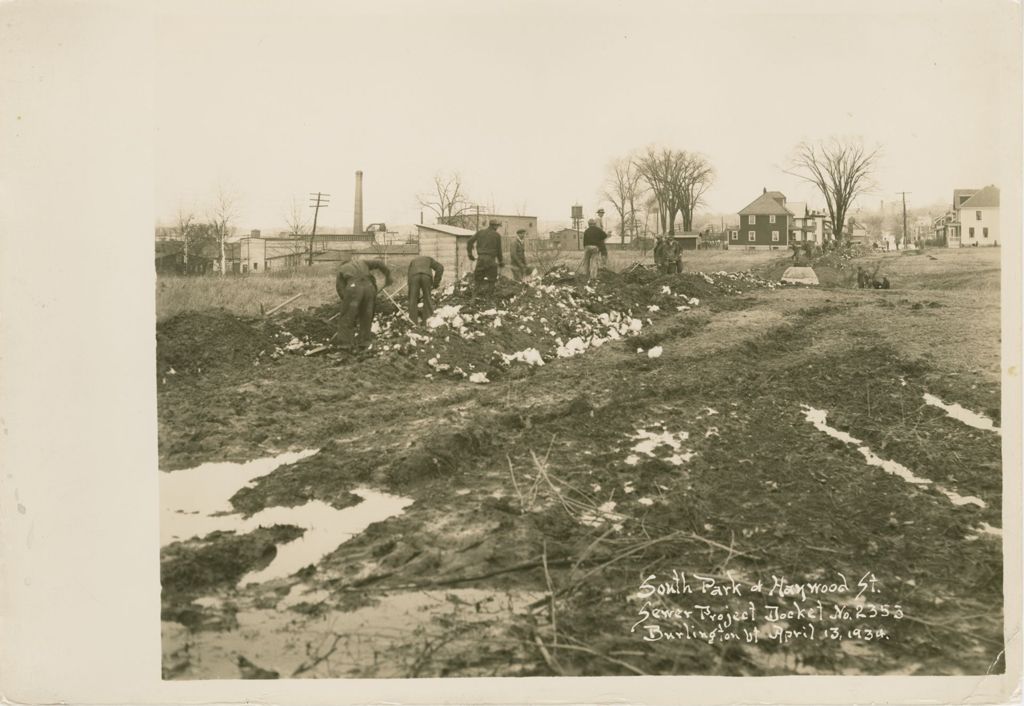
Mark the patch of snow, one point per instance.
(962, 414)
(479, 378)
(574, 347)
(655, 352)
(530, 356)
(819, 417)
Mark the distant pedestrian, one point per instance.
(488, 256)
(862, 278)
(593, 246)
(425, 274)
(358, 292)
(519, 266)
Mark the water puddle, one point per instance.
(819, 417)
(196, 502)
(398, 636)
(326, 528)
(962, 414)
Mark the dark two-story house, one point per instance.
(764, 224)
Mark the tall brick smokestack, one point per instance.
(357, 217)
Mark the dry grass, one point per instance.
(244, 294)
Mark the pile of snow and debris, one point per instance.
(525, 326)
(738, 282)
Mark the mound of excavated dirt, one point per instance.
(519, 327)
(204, 340)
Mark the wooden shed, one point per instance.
(447, 245)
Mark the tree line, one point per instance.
(671, 183)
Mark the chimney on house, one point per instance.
(764, 189)
(357, 217)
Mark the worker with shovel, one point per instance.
(425, 273)
(358, 291)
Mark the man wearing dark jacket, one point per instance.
(519, 266)
(358, 292)
(425, 273)
(488, 256)
(593, 244)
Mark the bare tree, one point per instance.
(622, 188)
(679, 180)
(447, 201)
(841, 169)
(660, 168)
(295, 219)
(695, 177)
(185, 226)
(222, 213)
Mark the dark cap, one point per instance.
(494, 222)
(521, 231)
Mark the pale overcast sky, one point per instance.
(531, 100)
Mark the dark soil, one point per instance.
(504, 474)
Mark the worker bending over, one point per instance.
(425, 273)
(358, 292)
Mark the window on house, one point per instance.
(735, 235)
(771, 219)
(751, 236)
(255, 266)
(984, 232)
(775, 236)
(977, 215)
(751, 219)
(970, 232)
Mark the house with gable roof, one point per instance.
(979, 219)
(764, 223)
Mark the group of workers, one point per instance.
(357, 287)
(866, 281)
(668, 255)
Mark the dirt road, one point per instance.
(780, 434)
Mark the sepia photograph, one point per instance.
(572, 339)
(510, 352)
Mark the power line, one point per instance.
(320, 202)
(904, 195)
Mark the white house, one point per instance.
(979, 219)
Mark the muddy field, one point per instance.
(528, 486)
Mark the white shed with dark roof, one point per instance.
(447, 245)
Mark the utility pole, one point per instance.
(319, 202)
(904, 195)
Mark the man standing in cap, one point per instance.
(593, 244)
(425, 273)
(488, 256)
(519, 267)
(602, 247)
(358, 291)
